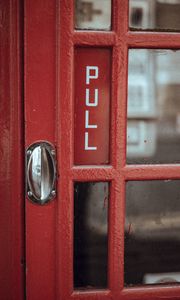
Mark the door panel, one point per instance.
(11, 153)
(40, 120)
(69, 173)
(52, 91)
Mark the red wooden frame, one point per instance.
(40, 120)
(49, 33)
(70, 39)
(11, 152)
(120, 39)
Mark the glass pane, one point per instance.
(162, 15)
(90, 234)
(93, 14)
(153, 133)
(152, 232)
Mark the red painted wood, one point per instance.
(91, 123)
(152, 40)
(95, 294)
(170, 292)
(65, 145)
(147, 172)
(94, 38)
(45, 225)
(40, 116)
(118, 150)
(93, 173)
(11, 153)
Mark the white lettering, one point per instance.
(91, 75)
(87, 125)
(95, 101)
(87, 147)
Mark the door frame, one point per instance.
(12, 256)
(50, 39)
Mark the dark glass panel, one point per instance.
(90, 234)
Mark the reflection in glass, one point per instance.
(152, 232)
(162, 15)
(93, 14)
(90, 234)
(153, 133)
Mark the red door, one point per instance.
(11, 153)
(94, 240)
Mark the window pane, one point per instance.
(153, 134)
(93, 14)
(154, 14)
(90, 234)
(152, 232)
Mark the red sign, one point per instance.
(92, 105)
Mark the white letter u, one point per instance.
(95, 103)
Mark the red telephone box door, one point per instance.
(11, 153)
(76, 99)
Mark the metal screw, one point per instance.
(29, 152)
(53, 152)
(29, 193)
(53, 193)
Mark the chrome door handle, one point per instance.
(41, 172)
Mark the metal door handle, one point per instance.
(41, 172)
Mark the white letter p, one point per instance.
(91, 75)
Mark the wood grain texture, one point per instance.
(11, 153)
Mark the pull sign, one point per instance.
(92, 106)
